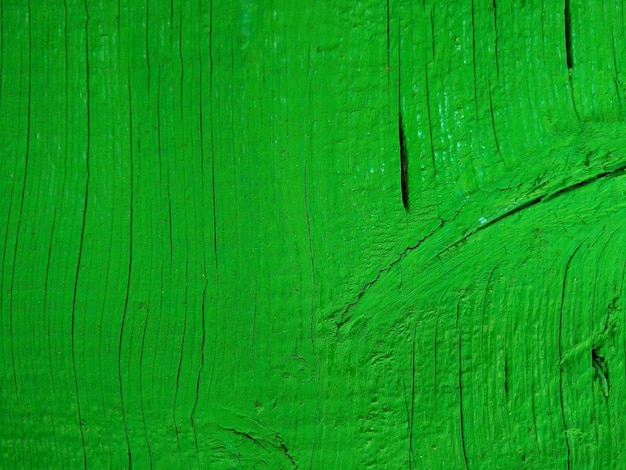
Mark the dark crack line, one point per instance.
(560, 351)
(412, 420)
(404, 162)
(285, 451)
(345, 317)
(404, 157)
(131, 244)
(79, 260)
(280, 446)
(205, 287)
(460, 372)
(535, 201)
(435, 364)
(495, 29)
(248, 436)
(254, 312)
(178, 387)
(569, 53)
(569, 56)
(344, 313)
(493, 124)
(311, 260)
(474, 64)
(388, 37)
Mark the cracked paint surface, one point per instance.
(324, 235)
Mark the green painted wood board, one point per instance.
(208, 261)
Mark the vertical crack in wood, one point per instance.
(560, 350)
(496, 35)
(569, 53)
(412, 417)
(82, 239)
(568, 35)
(404, 160)
(404, 164)
(388, 38)
(460, 386)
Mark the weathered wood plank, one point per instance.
(324, 235)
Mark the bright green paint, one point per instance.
(207, 263)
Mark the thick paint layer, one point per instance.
(323, 235)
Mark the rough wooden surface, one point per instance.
(312, 235)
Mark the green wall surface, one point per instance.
(327, 235)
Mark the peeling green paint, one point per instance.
(320, 235)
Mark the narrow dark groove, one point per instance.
(313, 445)
(476, 113)
(120, 345)
(408, 419)
(460, 372)
(204, 267)
(569, 52)
(537, 200)
(254, 311)
(4, 261)
(19, 225)
(311, 260)
(147, 40)
(616, 80)
(432, 33)
(404, 164)
(474, 64)
(621, 293)
(344, 318)
(45, 307)
(505, 215)
(66, 114)
(1, 49)
(506, 375)
(404, 160)
(613, 306)
(493, 124)
(313, 282)
(495, 28)
(171, 18)
(412, 420)
(435, 364)
(20, 216)
(182, 61)
(568, 189)
(248, 436)
(170, 216)
(213, 192)
(141, 403)
(560, 351)
(263, 443)
(285, 450)
(484, 309)
(81, 241)
(202, 359)
(145, 325)
(388, 37)
(543, 28)
(180, 359)
(601, 371)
